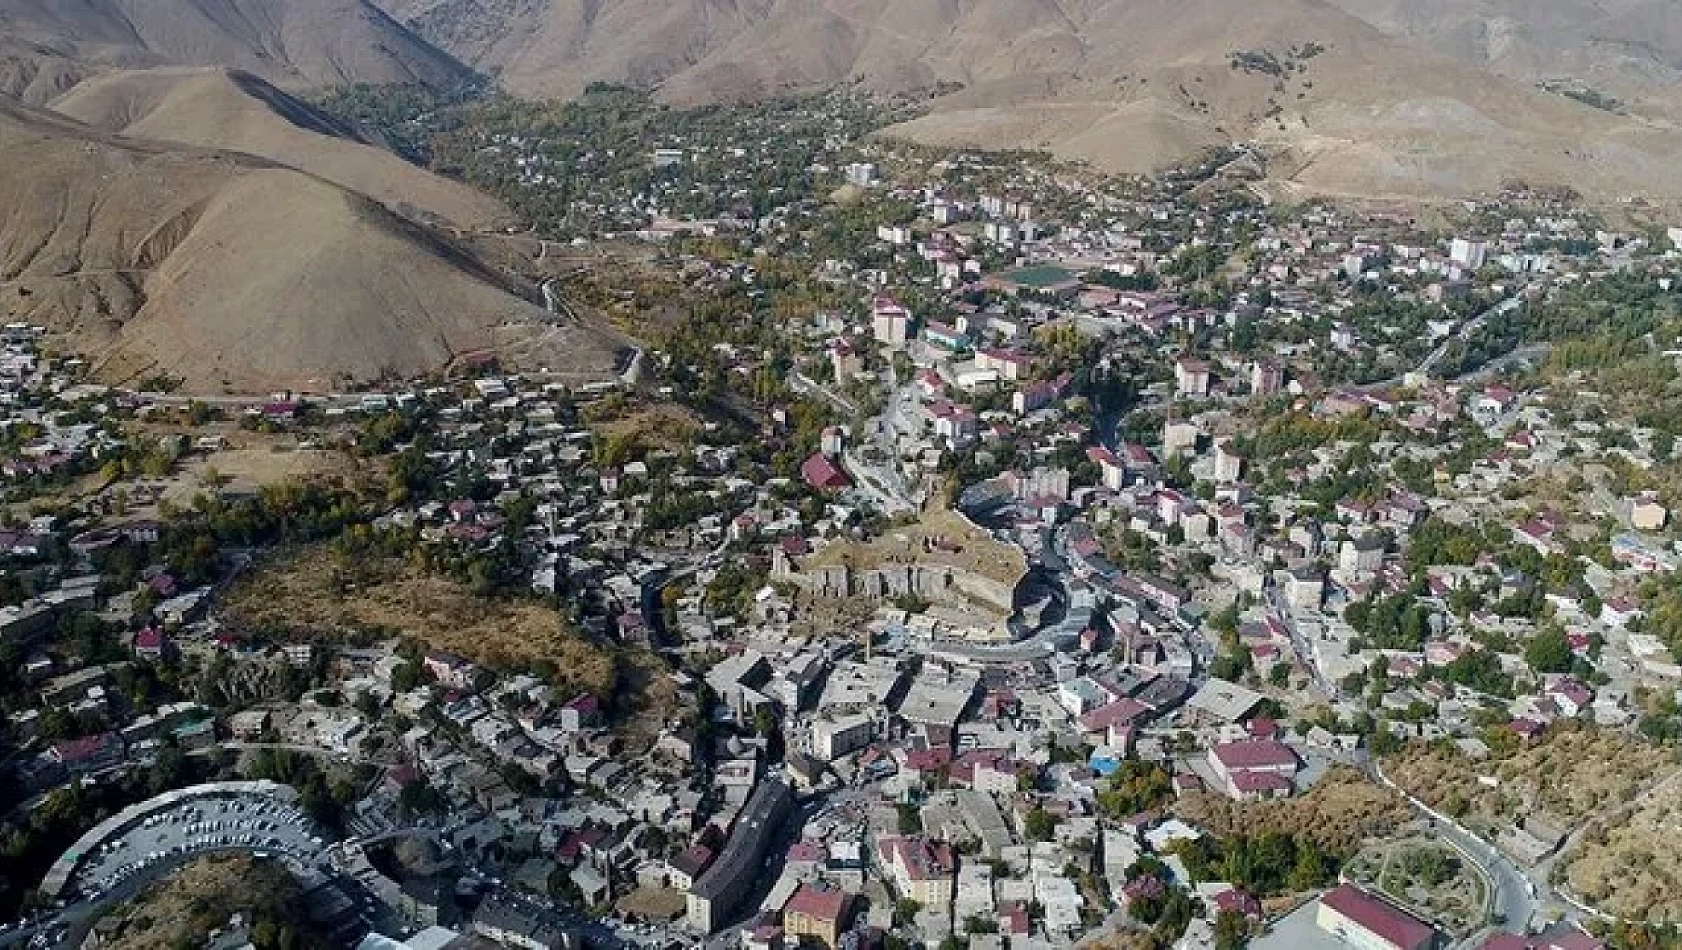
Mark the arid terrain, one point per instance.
(1337, 104)
(200, 897)
(1628, 50)
(48, 44)
(244, 240)
(1626, 866)
(1338, 814)
(236, 111)
(315, 595)
(1571, 776)
(230, 272)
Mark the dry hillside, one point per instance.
(201, 896)
(1627, 864)
(1339, 106)
(1572, 775)
(314, 596)
(1339, 814)
(230, 272)
(228, 109)
(1629, 49)
(35, 73)
(295, 43)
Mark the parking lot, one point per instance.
(253, 823)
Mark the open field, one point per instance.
(1628, 865)
(247, 469)
(1340, 814)
(244, 463)
(664, 426)
(182, 909)
(939, 537)
(313, 594)
(1564, 779)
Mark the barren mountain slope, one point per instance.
(293, 43)
(484, 34)
(1363, 115)
(1129, 84)
(228, 109)
(35, 73)
(1629, 49)
(231, 272)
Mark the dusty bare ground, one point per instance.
(253, 461)
(314, 594)
(1630, 866)
(973, 549)
(182, 909)
(1339, 814)
(652, 903)
(663, 426)
(157, 276)
(1566, 778)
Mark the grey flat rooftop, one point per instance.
(1298, 931)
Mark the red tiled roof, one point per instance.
(1123, 711)
(817, 902)
(1255, 754)
(1013, 919)
(1237, 899)
(928, 760)
(923, 860)
(87, 747)
(965, 766)
(820, 472)
(806, 852)
(692, 860)
(1260, 782)
(1378, 917)
(1576, 940)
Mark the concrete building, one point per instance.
(512, 925)
(1305, 588)
(1362, 555)
(818, 912)
(922, 870)
(1646, 513)
(1229, 465)
(719, 893)
(1192, 377)
(1469, 253)
(890, 321)
(1179, 437)
(1368, 922)
(834, 738)
(1266, 378)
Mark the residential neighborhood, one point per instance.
(1018, 558)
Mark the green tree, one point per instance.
(1232, 930)
(1549, 651)
(905, 911)
(1039, 825)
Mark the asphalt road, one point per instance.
(1515, 896)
